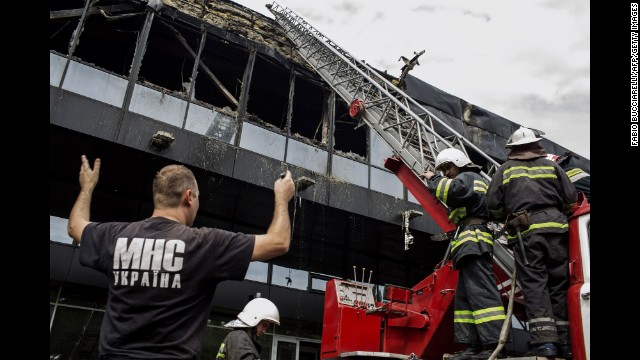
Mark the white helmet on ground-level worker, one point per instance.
(522, 136)
(255, 311)
(451, 155)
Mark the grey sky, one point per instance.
(527, 61)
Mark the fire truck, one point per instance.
(417, 322)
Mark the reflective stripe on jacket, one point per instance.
(465, 197)
(529, 185)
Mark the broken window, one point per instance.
(308, 119)
(269, 94)
(348, 140)
(166, 61)
(226, 63)
(108, 43)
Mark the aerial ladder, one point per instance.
(416, 321)
(403, 123)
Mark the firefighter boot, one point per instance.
(466, 353)
(564, 346)
(543, 350)
(487, 351)
(565, 352)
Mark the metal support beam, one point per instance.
(71, 13)
(141, 47)
(76, 38)
(330, 102)
(292, 90)
(244, 91)
(194, 74)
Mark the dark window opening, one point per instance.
(423, 255)
(109, 45)
(308, 104)
(362, 241)
(393, 273)
(327, 259)
(60, 32)
(269, 94)
(227, 64)
(347, 139)
(166, 62)
(75, 333)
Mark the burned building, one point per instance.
(219, 88)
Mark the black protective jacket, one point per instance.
(537, 185)
(580, 179)
(239, 345)
(465, 197)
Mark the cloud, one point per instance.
(483, 16)
(561, 118)
(424, 8)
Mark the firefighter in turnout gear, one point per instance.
(580, 178)
(478, 309)
(252, 322)
(529, 182)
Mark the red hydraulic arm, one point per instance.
(436, 209)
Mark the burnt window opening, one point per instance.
(328, 259)
(347, 139)
(166, 62)
(362, 242)
(268, 94)
(227, 64)
(107, 44)
(307, 116)
(423, 255)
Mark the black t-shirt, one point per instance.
(163, 276)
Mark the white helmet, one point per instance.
(522, 136)
(255, 311)
(457, 157)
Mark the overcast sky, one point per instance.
(527, 61)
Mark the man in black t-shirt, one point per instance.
(163, 273)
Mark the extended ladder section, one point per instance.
(404, 124)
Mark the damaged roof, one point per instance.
(486, 130)
(242, 21)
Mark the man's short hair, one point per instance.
(170, 183)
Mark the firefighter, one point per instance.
(530, 184)
(478, 309)
(242, 342)
(580, 178)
